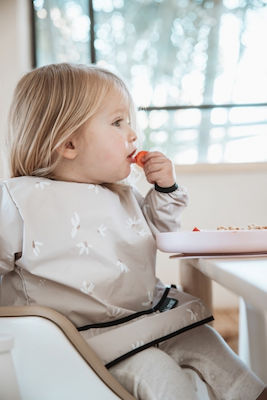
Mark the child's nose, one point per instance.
(132, 135)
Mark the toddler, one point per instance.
(77, 238)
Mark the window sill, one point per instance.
(221, 168)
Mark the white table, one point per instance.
(247, 278)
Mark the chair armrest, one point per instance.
(74, 337)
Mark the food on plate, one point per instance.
(139, 157)
(229, 228)
(236, 228)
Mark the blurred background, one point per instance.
(198, 67)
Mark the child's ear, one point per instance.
(68, 150)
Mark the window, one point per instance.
(197, 69)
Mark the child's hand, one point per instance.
(158, 169)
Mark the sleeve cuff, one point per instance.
(169, 189)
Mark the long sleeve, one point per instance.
(11, 228)
(163, 210)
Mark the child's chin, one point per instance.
(127, 172)
(125, 176)
(121, 176)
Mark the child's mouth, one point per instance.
(130, 157)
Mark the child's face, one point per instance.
(107, 143)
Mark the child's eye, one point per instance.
(117, 122)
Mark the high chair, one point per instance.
(43, 356)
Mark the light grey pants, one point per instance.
(158, 373)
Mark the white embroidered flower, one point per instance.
(150, 299)
(42, 184)
(123, 267)
(75, 221)
(87, 287)
(36, 247)
(94, 188)
(84, 247)
(137, 344)
(41, 282)
(133, 222)
(113, 311)
(102, 230)
(193, 315)
(136, 225)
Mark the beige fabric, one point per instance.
(153, 375)
(83, 241)
(89, 253)
(138, 333)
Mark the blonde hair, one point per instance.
(50, 104)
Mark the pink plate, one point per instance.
(218, 241)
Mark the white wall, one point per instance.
(220, 195)
(14, 55)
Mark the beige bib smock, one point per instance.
(89, 253)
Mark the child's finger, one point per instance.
(148, 169)
(152, 177)
(158, 164)
(156, 161)
(153, 155)
(161, 180)
(152, 171)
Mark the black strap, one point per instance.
(166, 189)
(159, 340)
(129, 317)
